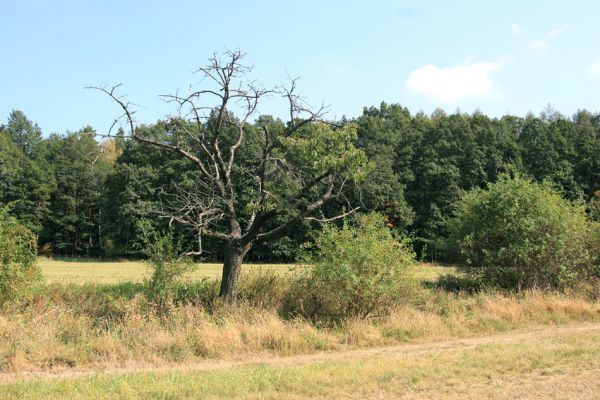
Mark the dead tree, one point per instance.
(293, 170)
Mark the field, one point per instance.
(87, 334)
(82, 271)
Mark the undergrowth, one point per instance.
(90, 326)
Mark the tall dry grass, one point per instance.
(60, 327)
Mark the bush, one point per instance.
(594, 207)
(164, 254)
(594, 246)
(357, 270)
(18, 254)
(519, 234)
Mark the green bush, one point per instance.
(594, 246)
(519, 234)
(594, 207)
(18, 254)
(165, 258)
(357, 270)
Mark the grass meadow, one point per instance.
(89, 331)
(81, 271)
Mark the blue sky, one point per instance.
(500, 57)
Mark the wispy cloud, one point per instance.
(557, 31)
(452, 84)
(542, 46)
(539, 46)
(594, 69)
(515, 29)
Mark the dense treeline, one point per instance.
(87, 197)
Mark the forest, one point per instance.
(85, 195)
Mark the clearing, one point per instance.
(82, 271)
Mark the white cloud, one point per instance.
(594, 69)
(516, 29)
(539, 46)
(451, 84)
(557, 31)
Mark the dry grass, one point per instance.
(547, 363)
(81, 271)
(105, 326)
(55, 334)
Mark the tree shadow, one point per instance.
(454, 284)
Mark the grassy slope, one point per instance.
(551, 364)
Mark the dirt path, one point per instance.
(517, 336)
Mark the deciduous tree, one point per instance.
(255, 182)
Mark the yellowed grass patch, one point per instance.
(54, 336)
(548, 363)
(82, 271)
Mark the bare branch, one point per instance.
(299, 111)
(204, 130)
(303, 212)
(331, 219)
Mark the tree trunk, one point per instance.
(232, 266)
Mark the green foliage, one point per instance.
(135, 189)
(324, 149)
(24, 184)
(18, 254)
(451, 154)
(357, 270)
(384, 135)
(165, 259)
(594, 249)
(594, 207)
(311, 154)
(23, 132)
(83, 197)
(79, 167)
(519, 234)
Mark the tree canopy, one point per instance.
(85, 194)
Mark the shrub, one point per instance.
(18, 253)
(594, 237)
(165, 258)
(520, 234)
(594, 207)
(594, 246)
(357, 270)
